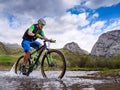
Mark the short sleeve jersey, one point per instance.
(32, 28)
(35, 29)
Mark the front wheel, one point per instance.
(53, 64)
(19, 64)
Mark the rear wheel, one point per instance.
(19, 64)
(53, 64)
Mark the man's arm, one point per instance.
(31, 28)
(30, 33)
(45, 38)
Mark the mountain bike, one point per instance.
(52, 62)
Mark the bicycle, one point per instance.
(53, 63)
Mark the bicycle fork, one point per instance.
(49, 60)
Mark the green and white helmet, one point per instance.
(41, 20)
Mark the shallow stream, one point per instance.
(71, 81)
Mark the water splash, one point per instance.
(11, 72)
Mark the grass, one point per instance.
(7, 61)
(8, 58)
(111, 71)
(92, 69)
(75, 62)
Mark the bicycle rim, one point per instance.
(19, 64)
(56, 67)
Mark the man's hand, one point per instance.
(52, 41)
(38, 36)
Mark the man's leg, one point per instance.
(27, 55)
(40, 47)
(36, 45)
(23, 67)
(26, 47)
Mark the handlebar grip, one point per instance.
(52, 41)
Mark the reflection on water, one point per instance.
(71, 81)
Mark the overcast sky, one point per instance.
(80, 21)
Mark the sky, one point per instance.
(79, 21)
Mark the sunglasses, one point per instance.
(42, 24)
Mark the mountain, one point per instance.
(107, 45)
(9, 48)
(74, 47)
(11, 45)
(3, 49)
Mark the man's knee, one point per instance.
(28, 53)
(40, 46)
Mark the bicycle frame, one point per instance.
(43, 48)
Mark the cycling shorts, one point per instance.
(26, 45)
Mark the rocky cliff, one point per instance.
(74, 47)
(108, 44)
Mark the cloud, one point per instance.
(65, 29)
(17, 15)
(114, 25)
(37, 8)
(66, 23)
(94, 4)
(8, 34)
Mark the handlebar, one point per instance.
(48, 40)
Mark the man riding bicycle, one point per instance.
(29, 40)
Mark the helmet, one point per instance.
(42, 21)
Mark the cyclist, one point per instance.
(29, 40)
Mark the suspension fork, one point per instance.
(46, 54)
(49, 58)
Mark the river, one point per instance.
(71, 81)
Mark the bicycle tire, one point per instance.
(59, 61)
(19, 63)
